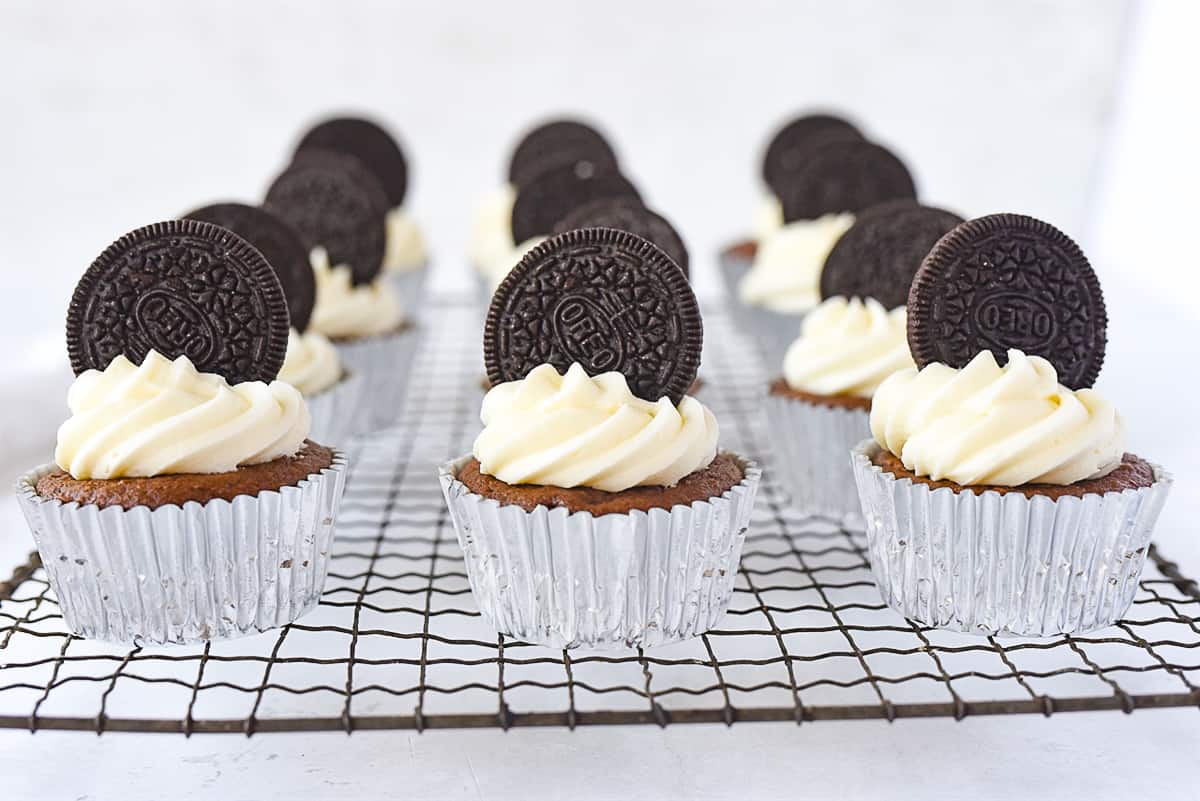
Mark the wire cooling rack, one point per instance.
(397, 643)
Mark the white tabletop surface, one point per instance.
(116, 117)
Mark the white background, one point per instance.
(1083, 113)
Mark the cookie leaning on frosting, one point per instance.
(994, 455)
(182, 448)
(594, 466)
(817, 408)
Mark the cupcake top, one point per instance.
(163, 417)
(346, 310)
(1003, 419)
(591, 344)
(847, 347)
(857, 336)
(575, 430)
(311, 363)
(176, 333)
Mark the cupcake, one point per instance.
(595, 509)
(998, 495)
(185, 502)
(339, 210)
(822, 172)
(575, 153)
(405, 261)
(335, 401)
(817, 408)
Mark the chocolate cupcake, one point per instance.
(186, 502)
(339, 208)
(997, 493)
(405, 259)
(820, 172)
(557, 166)
(595, 509)
(817, 408)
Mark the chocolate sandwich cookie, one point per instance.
(281, 246)
(606, 299)
(1009, 281)
(368, 142)
(550, 196)
(559, 143)
(792, 144)
(879, 255)
(844, 176)
(181, 288)
(336, 203)
(627, 214)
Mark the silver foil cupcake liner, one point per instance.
(811, 445)
(409, 286)
(191, 573)
(572, 580)
(341, 411)
(771, 332)
(1005, 564)
(381, 364)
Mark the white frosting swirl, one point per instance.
(768, 217)
(346, 311)
(1006, 426)
(311, 363)
(573, 430)
(166, 416)
(404, 248)
(491, 238)
(847, 347)
(786, 272)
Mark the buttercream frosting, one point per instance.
(847, 347)
(164, 416)
(311, 363)
(404, 247)
(345, 311)
(993, 425)
(768, 217)
(574, 430)
(491, 238)
(786, 271)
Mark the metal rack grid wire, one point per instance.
(397, 643)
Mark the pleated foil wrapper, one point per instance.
(409, 286)
(341, 411)
(770, 331)
(811, 446)
(1005, 564)
(574, 580)
(381, 365)
(191, 573)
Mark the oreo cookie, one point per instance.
(334, 202)
(606, 299)
(879, 255)
(552, 195)
(182, 288)
(627, 214)
(793, 143)
(370, 144)
(844, 176)
(1009, 281)
(281, 246)
(559, 143)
